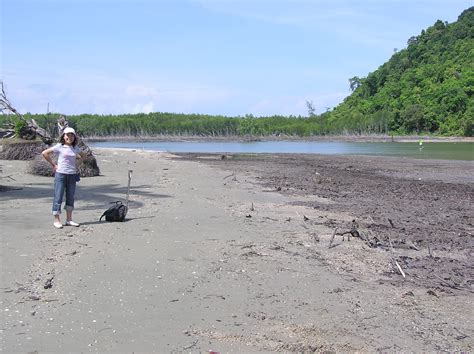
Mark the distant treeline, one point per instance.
(157, 123)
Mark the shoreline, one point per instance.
(346, 138)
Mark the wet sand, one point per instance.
(231, 254)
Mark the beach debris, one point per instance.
(400, 269)
(192, 344)
(315, 237)
(332, 238)
(354, 232)
(336, 290)
(413, 246)
(317, 178)
(105, 329)
(462, 335)
(21, 287)
(254, 253)
(305, 218)
(429, 250)
(252, 208)
(231, 175)
(21, 150)
(394, 261)
(372, 243)
(8, 188)
(7, 133)
(49, 283)
(391, 222)
(447, 283)
(259, 315)
(370, 240)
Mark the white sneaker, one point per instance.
(58, 225)
(72, 223)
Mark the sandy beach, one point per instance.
(231, 254)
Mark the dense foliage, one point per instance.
(426, 88)
(181, 124)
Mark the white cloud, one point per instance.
(76, 91)
(143, 108)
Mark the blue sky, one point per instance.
(232, 58)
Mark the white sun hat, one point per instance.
(69, 130)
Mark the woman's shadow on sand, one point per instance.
(97, 222)
(92, 196)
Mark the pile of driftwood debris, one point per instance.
(18, 149)
(372, 242)
(23, 139)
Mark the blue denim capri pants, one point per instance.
(64, 183)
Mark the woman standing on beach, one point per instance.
(65, 174)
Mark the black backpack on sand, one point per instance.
(118, 211)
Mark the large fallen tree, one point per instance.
(18, 126)
(24, 140)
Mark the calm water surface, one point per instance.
(435, 150)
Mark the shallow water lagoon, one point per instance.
(428, 150)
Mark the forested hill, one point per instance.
(427, 87)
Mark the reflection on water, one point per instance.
(437, 150)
